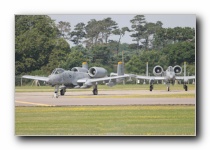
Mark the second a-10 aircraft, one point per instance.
(80, 77)
(168, 76)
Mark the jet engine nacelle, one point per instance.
(79, 69)
(177, 69)
(157, 70)
(97, 72)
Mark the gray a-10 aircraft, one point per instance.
(169, 76)
(80, 77)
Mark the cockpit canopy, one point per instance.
(170, 69)
(57, 71)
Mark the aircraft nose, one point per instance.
(52, 79)
(171, 76)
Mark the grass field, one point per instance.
(106, 120)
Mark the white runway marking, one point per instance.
(30, 103)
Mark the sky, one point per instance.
(169, 21)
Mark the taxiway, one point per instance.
(115, 97)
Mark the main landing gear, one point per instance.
(151, 87)
(62, 92)
(185, 87)
(95, 89)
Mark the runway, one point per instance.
(115, 97)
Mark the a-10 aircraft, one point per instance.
(80, 77)
(169, 76)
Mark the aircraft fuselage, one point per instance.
(67, 78)
(169, 75)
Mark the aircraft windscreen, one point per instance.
(170, 68)
(57, 71)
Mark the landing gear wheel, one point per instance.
(151, 87)
(95, 92)
(62, 92)
(56, 91)
(168, 89)
(55, 95)
(185, 87)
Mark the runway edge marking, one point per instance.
(39, 104)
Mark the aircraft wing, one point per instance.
(127, 75)
(185, 77)
(90, 81)
(35, 78)
(150, 77)
(141, 77)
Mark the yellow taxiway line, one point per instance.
(39, 104)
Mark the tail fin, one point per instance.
(120, 68)
(85, 65)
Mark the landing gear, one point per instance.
(56, 91)
(62, 92)
(151, 87)
(95, 90)
(185, 87)
(168, 87)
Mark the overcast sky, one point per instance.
(124, 20)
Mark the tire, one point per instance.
(150, 88)
(185, 88)
(168, 89)
(62, 92)
(95, 92)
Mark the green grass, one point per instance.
(106, 120)
(104, 87)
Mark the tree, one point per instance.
(138, 26)
(150, 29)
(101, 54)
(137, 64)
(121, 33)
(58, 55)
(107, 25)
(92, 29)
(73, 59)
(35, 38)
(98, 32)
(165, 36)
(78, 34)
(64, 28)
(180, 52)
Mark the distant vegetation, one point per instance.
(42, 45)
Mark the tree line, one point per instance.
(41, 45)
